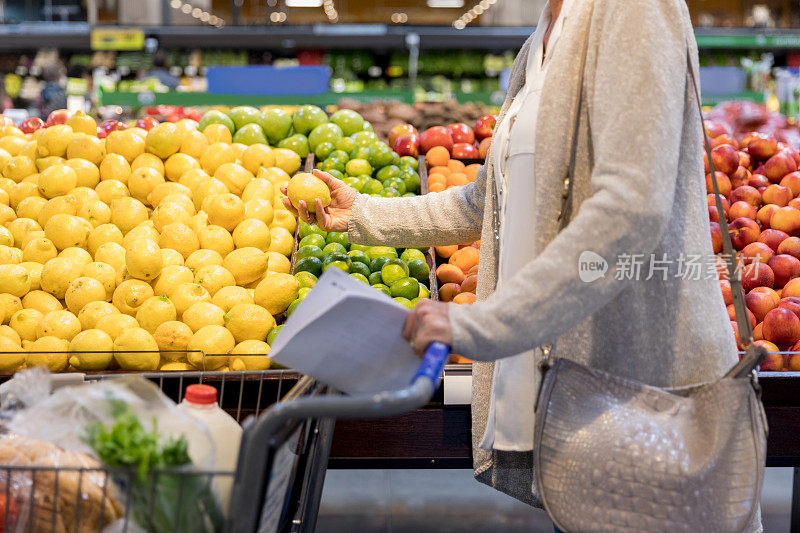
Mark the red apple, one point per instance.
(757, 275)
(761, 146)
(146, 123)
(59, 116)
(785, 267)
(484, 127)
(790, 246)
(407, 144)
(31, 125)
(465, 151)
(750, 316)
(723, 182)
(792, 181)
(713, 214)
(781, 326)
(792, 303)
(772, 238)
(740, 177)
(483, 147)
(759, 304)
(725, 159)
(745, 193)
(770, 291)
(400, 130)
(716, 237)
(765, 214)
(792, 363)
(758, 181)
(757, 251)
(112, 125)
(435, 136)
(792, 288)
(724, 140)
(735, 327)
(744, 231)
(712, 200)
(461, 133)
(742, 209)
(779, 165)
(777, 194)
(745, 160)
(715, 129)
(774, 361)
(725, 288)
(786, 219)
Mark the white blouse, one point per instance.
(514, 383)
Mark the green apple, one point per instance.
(250, 133)
(216, 117)
(324, 133)
(243, 115)
(350, 121)
(385, 173)
(298, 143)
(347, 145)
(410, 161)
(372, 187)
(276, 123)
(322, 150)
(380, 155)
(357, 167)
(308, 117)
(364, 138)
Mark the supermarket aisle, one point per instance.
(445, 501)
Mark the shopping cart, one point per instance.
(277, 486)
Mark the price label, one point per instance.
(117, 39)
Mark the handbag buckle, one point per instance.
(547, 361)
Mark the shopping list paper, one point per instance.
(348, 335)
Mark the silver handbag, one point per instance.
(613, 454)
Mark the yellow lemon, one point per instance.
(13, 145)
(201, 258)
(88, 147)
(258, 188)
(144, 230)
(26, 322)
(218, 133)
(9, 333)
(277, 262)
(21, 227)
(88, 175)
(142, 181)
(139, 132)
(115, 167)
(111, 253)
(207, 189)
(18, 168)
(249, 322)
(171, 257)
(127, 213)
(193, 178)
(136, 349)
(284, 219)
(103, 234)
(91, 350)
(179, 164)
(9, 304)
(172, 338)
(199, 221)
(11, 355)
(203, 314)
(64, 205)
(115, 324)
(148, 160)
(67, 230)
(95, 212)
(6, 238)
(79, 256)
(234, 176)
(281, 241)
(83, 123)
(57, 180)
(286, 160)
(41, 301)
(14, 280)
(246, 264)
(155, 311)
(82, 291)
(179, 237)
(6, 214)
(31, 207)
(61, 324)
(91, 313)
(194, 144)
(224, 210)
(216, 238)
(252, 232)
(130, 295)
(213, 339)
(170, 278)
(276, 292)
(46, 162)
(168, 213)
(187, 294)
(82, 193)
(256, 156)
(111, 190)
(308, 188)
(179, 199)
(21, 192)
(10, 255)
(164, 140)
(215, 155)
(5, 199)
(253, 356)
(228, 297)
(34, 273)
(50, 352)
(5, 157)
(125, 143)
(213, 277)
(144, 260)
(274, 175)
(164, 190)
(260, 209)
(53, 141)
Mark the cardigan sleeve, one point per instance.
(449, 217)
(643, 44)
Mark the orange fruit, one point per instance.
(448, 291)
(440, 170)
(437, 178)
(446, 251)
(465, 258)
(473, 270)
(472, 171)
(457, 179)
(455, 165)
(464, 298)
(460, 360)
(448, 273)
(436, 187)
(470, 283)
(792, 288)
(437, 156)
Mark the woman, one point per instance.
(638, 194)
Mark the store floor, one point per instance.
(445, 501)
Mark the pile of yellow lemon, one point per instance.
(170, 242)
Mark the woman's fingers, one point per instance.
(303, 210)
(329, 180)
(289, 207)
(410, 325)
(323, 216)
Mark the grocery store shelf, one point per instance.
(714, 99)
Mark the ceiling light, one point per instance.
(451, 4)
(196, 12)
(459, 24)
(204, 16)
(186, 8)
(478, 10)
(175, 4)
(303, 3)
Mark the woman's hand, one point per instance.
(336, 216)
(429, 321)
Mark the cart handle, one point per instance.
(433, 361)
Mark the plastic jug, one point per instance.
(200, 403)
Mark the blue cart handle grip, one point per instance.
(435, 357)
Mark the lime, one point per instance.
(377, 264)
(392, 272)
(335, 256)
(418, 269)
(308, 117)
(336, 174)
(359, 276)
(273, 334)
(405, 302)
(416, 300)
(276, 123)
(410, 161)
(412, 253)
(334, 247)
(216, 117)
(310, 251)
(375, 278)
(395, 183)
(364, 138)
(361, 152)
(355, 183)
(412, 183)
(346, 145)
(356, 167)
(314, 239)
(383, 288)
(306, 279)
(243, 115)
(324, 133)
(323, 150)
(292, 307)
(372, 187)
(360, 268)
(329, 165)
(389, 192)
(359, 247)
(423, 291)
(409, 195)
(250, 134)
(303, 292)
(338, 236)
(357, 256)
(341, 265)
(340, 155)
(347, 119)
(405, 287)
(380, 155)
(382, 251)
(385, 173)
(297, 143)
(305, 229)
(311, 264)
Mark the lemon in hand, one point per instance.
(308, 187)
(136, 349)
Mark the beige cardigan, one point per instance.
(639, 189)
